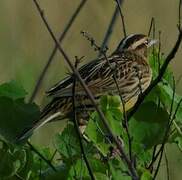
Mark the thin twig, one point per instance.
(77, 127)
(173, 118)
(177, 108)
(153, 37)
(166, 134)
(69, 146)
(160, 152)
(159, 52)
(167, 165)
(151, 25)
(122, 18)
(159, 162)
(173, 97)
(53, 155)
(110, 28)
(19, 177)
(113, 70)
(178, 81)
(41, 156)
(179, 14)
(150, 167)
(90, 95)
(153, 30)
(40, 168)
(53, 53)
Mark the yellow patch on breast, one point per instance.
(128, 105)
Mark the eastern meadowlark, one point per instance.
(129, 65)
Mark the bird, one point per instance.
(128, 65)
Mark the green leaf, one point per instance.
(155, 60)
(80, 170)
(118, 169)
(100, 176)
(178, 141)
(20, 156)
(62, 173)
(149, 125)
(67, 142)
(145, 174)
(166, 96)
(15, 117)
(97, 165)
(95, 130)
(36, 167)
(110, 103)
(154, 95)
(111, 106)
(164, 89)
(96, 134)
(11, 161)
(47, 153)
(12, 90)
(27, 165)
(7, 166)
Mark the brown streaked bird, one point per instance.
(132, 71)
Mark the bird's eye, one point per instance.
(146, 42)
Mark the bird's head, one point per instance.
(137, 43)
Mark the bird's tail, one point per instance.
(49, 113)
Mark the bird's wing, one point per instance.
(63, 87)
(98, 75)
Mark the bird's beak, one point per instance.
(152, 42)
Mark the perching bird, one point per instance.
(129, 66)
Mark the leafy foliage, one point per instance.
(15, 114)
(12, 90)
(147, 129)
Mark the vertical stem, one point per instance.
(41, 156)
(53, 53)
(77, 127)
(122, 18)
(110, 29)
(151, 25)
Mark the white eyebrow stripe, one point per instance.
(124, 42)
(138, 42)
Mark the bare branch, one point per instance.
(152, 22)
(90, 95)
(41, 156)
(179, 14)
(122, 18)
(172, 103)
(167, 165)
(171, 120)
(103, 53)
(110, 28)
(159, 162)
(166, 135)
(77, 127)
(159, 52)
(53, 155)
(53, 53)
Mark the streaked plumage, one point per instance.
(132, 71)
